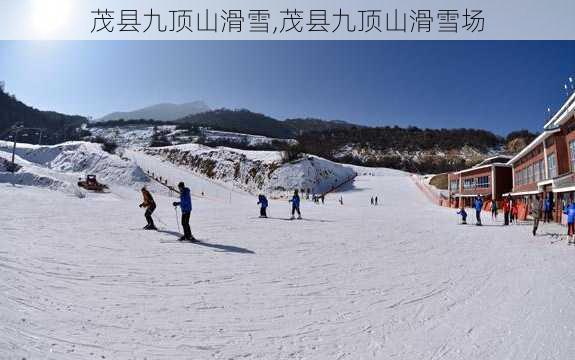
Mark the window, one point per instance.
(530, 174)
(552, 165)
(538, 171)
(454, 186)
(468, 184)
(483, 182)
(572, 154)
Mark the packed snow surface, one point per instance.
(80, 280)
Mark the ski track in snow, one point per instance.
(402, 280)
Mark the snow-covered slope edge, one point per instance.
(257, 171)
(60, 166)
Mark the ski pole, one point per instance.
(177, 221)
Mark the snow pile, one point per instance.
(257, 171)
(60, 166)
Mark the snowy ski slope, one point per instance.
(80, 280)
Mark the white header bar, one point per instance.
(286, 20)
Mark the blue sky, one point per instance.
(495, 85)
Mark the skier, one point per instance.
(506, 210)
(150, 206)
(322, 198)
(536, 212)
(570, 212)
(341, 200)
(514, 212)
(372, 200)
(263, 203)
(185, 204)
(478, 206)
(548, 209)
(295, 205)
(375, 201)
(463, 214)
(494, 209)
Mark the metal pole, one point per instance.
(14, 151)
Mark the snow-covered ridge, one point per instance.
(60, 166)
(257, 171)
(240, 138)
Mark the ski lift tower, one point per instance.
(15, 130)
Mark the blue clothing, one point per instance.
(548, 205)
(570, 212)
(185, 200)
(263, 201)
(295, 201)
(478, 204)
(463, 214)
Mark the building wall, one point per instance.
(528, 159)
(569, 130)
(474, 174)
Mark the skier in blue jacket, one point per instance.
(263, 203)
(295, 205)
(570, 212)
(185, 204)
(478, 205)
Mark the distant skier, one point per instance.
(536, 213)
(295, 205)
(185, 204)
(150, 206)
(506, 210)
(570, 212)
(478, 206)
(372, 200)
(494, 209)
(322, 198)
(341, 200)
(263, 203)
(463, 214)
(375, 201)
(514, 212)
(548, 209)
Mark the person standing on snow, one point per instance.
(372, 200)
(375, 201)
(185, 204)
(150, 206)
(506, 210)
(494, 209)
(536, 212)
(263, 203)
(463, 214)
(514, 212)
(295, 205)
(570, 212)
(478, 206)
(548, 209)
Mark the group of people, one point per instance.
(374, 201)
(540, 209)
(295, 202)
(185, 204)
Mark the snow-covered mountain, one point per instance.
(163, 112)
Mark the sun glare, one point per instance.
(49, 16)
